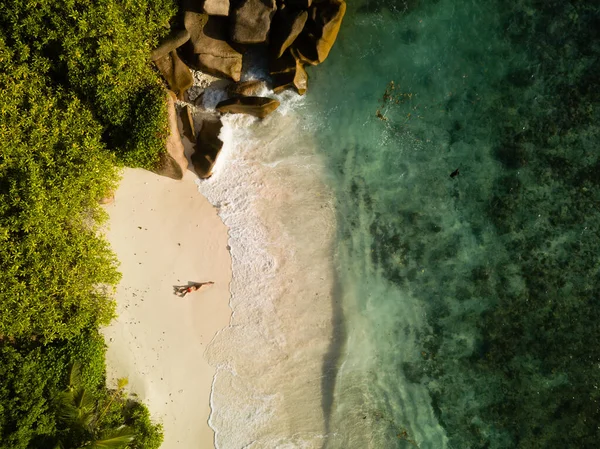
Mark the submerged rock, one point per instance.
(207, 148)
(251, 20)
(321, 30)
(175, 72)
(208, 49)
(256, 106)
(173, 163)
(287, 25)
(246, 88)
(175, 40)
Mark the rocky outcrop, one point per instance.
(296, 79)
(251, 20)
(215, 7)
(173, 162)
(300, 4)
(175, 72)
(211, 7)
(207, 49)
(187, 122)
(286, 27)
(207, 148)
(286, 63)
(320, 31)
(247, 88)
(175, 40)
(288, 72)
(217, 32)
(257, 106)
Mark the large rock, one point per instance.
(216, 7)
(251, 20)
(207, 49)
(187, 122)
(301, 4)
(247, 88)
(212, 7)
(286, 63)
(286, 27)
(257, 106)
(207, 148)
(175, 40)
(288, 72)
(173, 163)
(320, 31)
(297, 79)
(175, 72)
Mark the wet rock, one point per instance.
(291, 75)
(287, 25)
(175, 72)
(173, 163)
(207, 148)
(208, 49)
(286, 63)
(246, 88)
(251, 20)
(256, 106)
(298, 80)
(320, 31)
(175, 40)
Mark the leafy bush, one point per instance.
(35, 382)
(54, 269)
(77, 97)
(99, 52)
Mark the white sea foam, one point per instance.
(268, 186)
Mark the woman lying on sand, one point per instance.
(184, 290)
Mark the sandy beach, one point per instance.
(166, 234)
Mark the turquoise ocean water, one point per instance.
(379, 302)
(468, 307)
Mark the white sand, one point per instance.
(165, 234)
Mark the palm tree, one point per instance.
(79, 411)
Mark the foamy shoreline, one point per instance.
(272, 359)
(165, 233)
(260, 378)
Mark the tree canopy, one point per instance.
(78, 98)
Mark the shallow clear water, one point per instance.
(378, 301)
(470, 302)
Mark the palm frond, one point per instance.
(122, 382)
(116, 439)
(76, 407)
(75, 376)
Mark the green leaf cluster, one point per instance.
(98, 51)
(78, 98)
(42, 404)
(54, 270)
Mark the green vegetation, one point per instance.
(77, 98)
